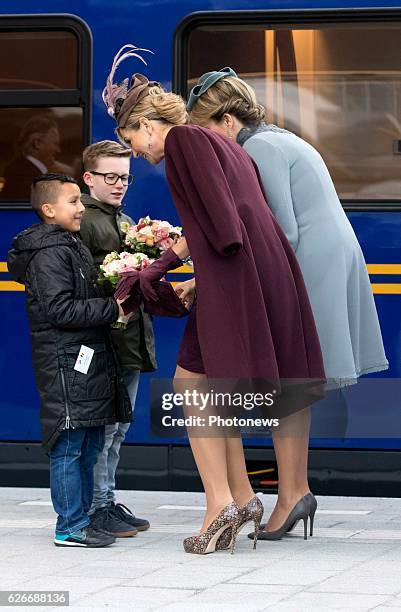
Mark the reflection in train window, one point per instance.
(339, 88)
(34, 141)
(53, 60)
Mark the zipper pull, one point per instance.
(68, 424)
(82, 274)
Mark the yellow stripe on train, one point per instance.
(386, 288)
(11, 286)
(377, 288)
(384, 268)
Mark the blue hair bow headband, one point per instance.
(205, 81)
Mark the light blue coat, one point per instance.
(303, 199)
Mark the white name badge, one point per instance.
(84, 359)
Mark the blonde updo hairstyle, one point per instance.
(158, 104)
(228, 95)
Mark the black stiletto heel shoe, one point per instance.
(299, 512)
(312, 502)
(312, 510)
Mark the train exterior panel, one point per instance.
(175, 31)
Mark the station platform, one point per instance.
(352, 563)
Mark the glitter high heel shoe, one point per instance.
(252, 511)
(205, 543)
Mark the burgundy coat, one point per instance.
(254, 318)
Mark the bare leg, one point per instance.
(291, 447)
(237, 475)
(209, 453)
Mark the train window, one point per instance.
(338, 86)
(34, 141)
(45, 100)
(52, 58)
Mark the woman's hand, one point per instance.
(169, 260)
(181, 248)
(186, 291)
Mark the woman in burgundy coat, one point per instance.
(251, 319)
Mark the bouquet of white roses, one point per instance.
(114, 266)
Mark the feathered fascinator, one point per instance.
(120, 98)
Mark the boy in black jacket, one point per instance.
(77, 375)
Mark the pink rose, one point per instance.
(165, 244)
(161, 230)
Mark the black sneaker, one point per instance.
(85, 538)
(127, 516)
(106, 521)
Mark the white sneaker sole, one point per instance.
(65, 543)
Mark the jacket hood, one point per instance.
(31, 240)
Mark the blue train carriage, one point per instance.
(332, 75)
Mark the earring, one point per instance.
(150, 145)
(230, 133)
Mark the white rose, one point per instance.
(145, 230)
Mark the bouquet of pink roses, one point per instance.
(114, 266)
(151, 236)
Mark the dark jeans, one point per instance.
(72, 460)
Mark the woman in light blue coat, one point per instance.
(301, 195)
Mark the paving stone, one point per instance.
(187, 577)
(254, 604)
(392, 602)
(135, 598)
(352, 582)
(307, 602)
(272, 575)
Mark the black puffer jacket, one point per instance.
(67, 309)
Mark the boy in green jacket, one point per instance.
(107, 175)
